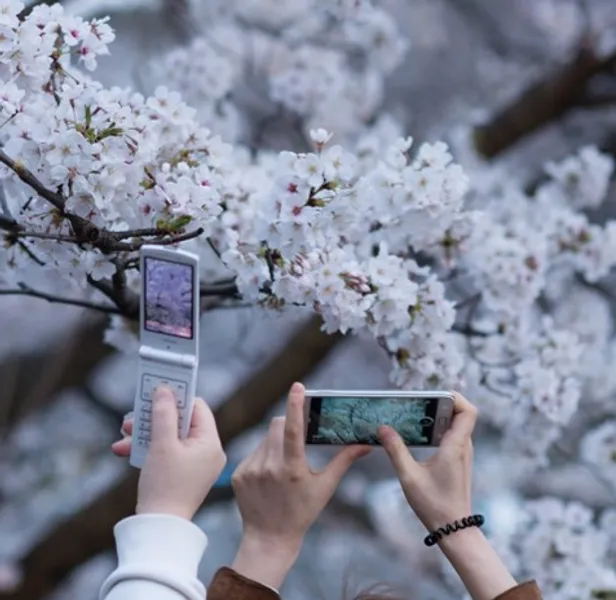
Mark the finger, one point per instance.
(342, 462)
(254, 461)
(251, 461)
(202, 423)
(404, 464)
(469, 455)
(273, 446)
(121, 448)
(294, 425)
(164, 416)
(463, 423)
(127, 427)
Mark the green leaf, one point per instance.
(109, 132)
(175, 225)
(180, 222)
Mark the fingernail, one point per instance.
(297, 388)
(127, 417)
(386, 433)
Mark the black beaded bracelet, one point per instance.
(472, 521)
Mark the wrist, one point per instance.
(164, 509)
(454, 544)
(477, 563)
(266, 560)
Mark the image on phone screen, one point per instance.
(168, 298)
(340, 421)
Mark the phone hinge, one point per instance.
(170, 358)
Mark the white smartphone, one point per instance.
(169, 346)
(340, 418)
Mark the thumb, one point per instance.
(342, 462)
(202, 423)
(164, 416)
(121, 448)
(397, 451)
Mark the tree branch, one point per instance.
(111, 245)
(213, 248)
(90, 532)
(469, 331)
(226, 288)
(541, 103)
(24, 290)
(606, 291)
(47, 236)
(112, 414)
(30, 179)
(493, 30)
(598, 100)
(85, 232)
(66, 364)
(10, 225)
(125, 299)
(133, 233)
(26, 11)
(179, 14)
(31, 254)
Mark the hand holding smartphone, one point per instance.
(340, 418)
(169, 332)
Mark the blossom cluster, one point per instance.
(113, 157)
(326, 62)
(534, 259)
(322, 221)
(565, 549)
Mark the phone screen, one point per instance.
(340, 421)
(168, 302)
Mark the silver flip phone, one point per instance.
(169, 346)
(341, 418)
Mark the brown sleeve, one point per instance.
(229, 585)
(525, 591)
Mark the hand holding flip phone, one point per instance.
(169, 331)
(340, 418)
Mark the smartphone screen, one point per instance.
(168, 289)
(348, 420)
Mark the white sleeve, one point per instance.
(158, 559)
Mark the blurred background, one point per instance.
(508, 84)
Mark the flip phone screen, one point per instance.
(169, 298)
(339, 421)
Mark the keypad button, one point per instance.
(149, 383)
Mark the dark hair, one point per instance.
(377, 591)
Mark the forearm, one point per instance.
(477, 563)
(265, 562)
(158, 558)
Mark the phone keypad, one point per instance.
(149, 383)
